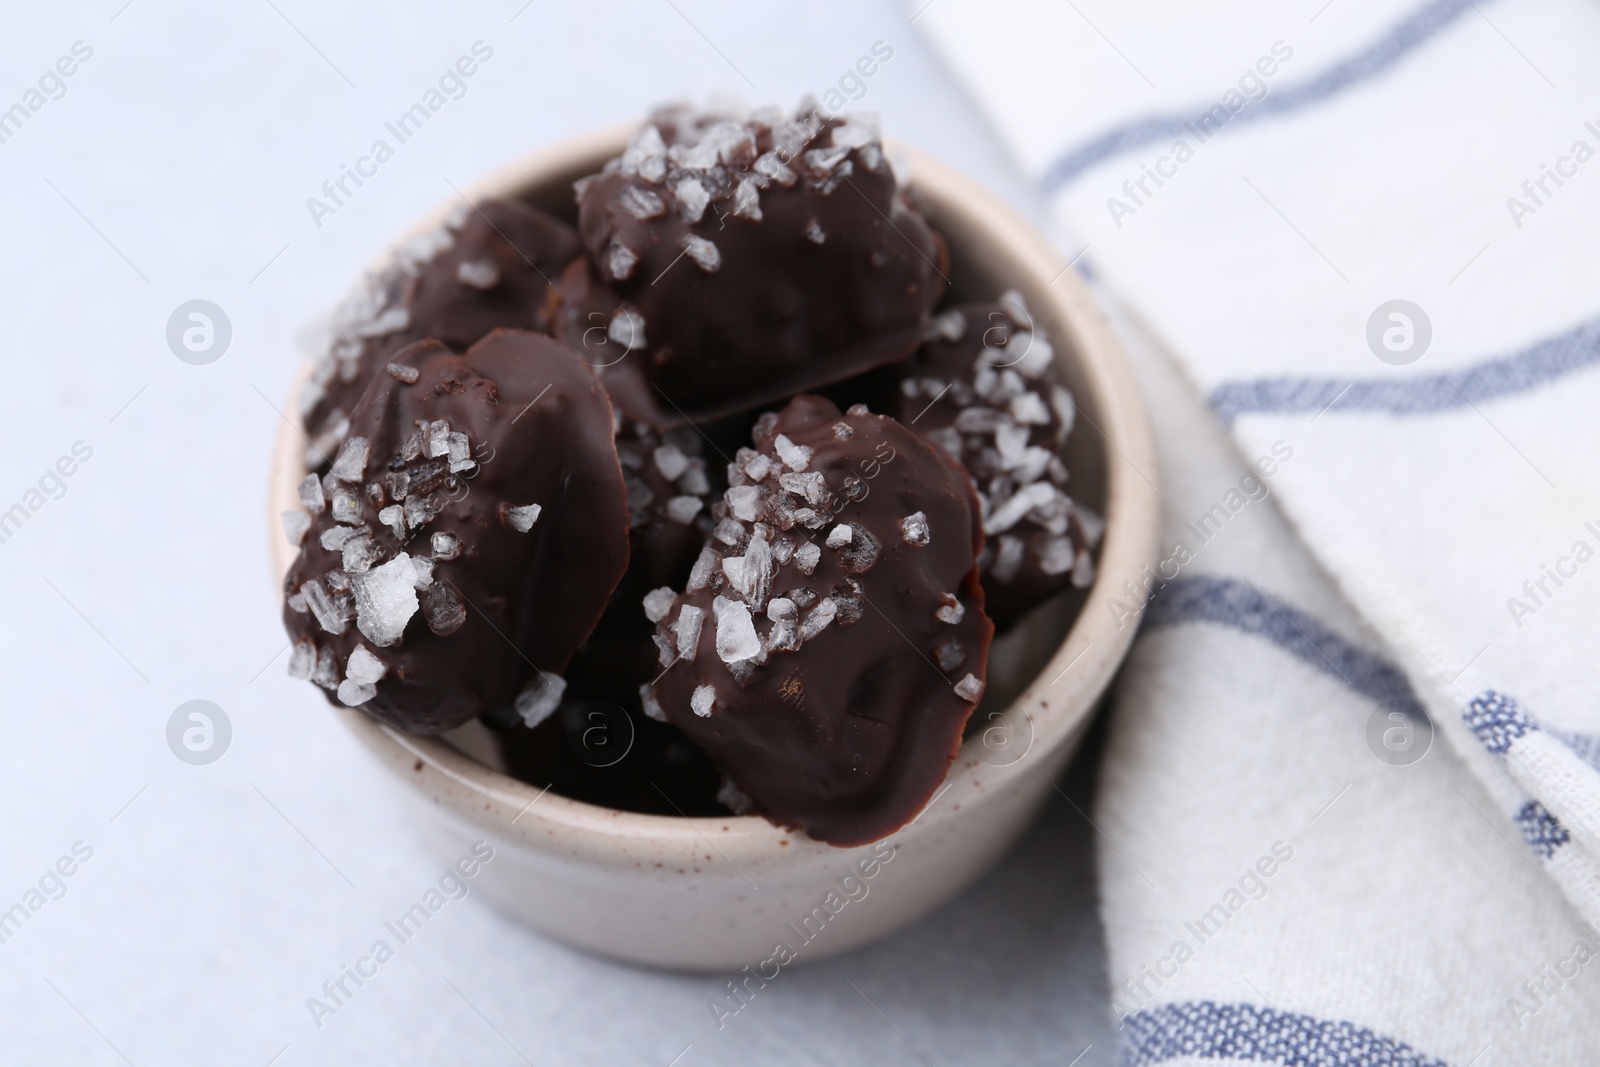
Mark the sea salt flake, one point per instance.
(520, 518)
(355, 694)
(310, 492)
(950, 610)
(665, 654)
(322, 607)
(914, 529)
(811, 486)
(843, 431)
(704, 699)
(334, 537)
(683, 509)
(1056, 555)
(459, 451)
(424, 571)
(326, 673)
(806, 557)
(795, 457)
(626, 329)
(386, 598)
(359, 553)
(658, 602)
(969, 689)
(479, 274)
(1029, 409)
(703, 252)
(638, 203)
(705, 565)
(620, 261)
(949, 654)
(758, 467)
(818, 619)
(814, 232)
(346, 507)
(297, 603)
(394, 517)
(769, 166)
(295, 525)
(421, 510)
(861, 553)
(648, 701)
(1007, 559)
(364, 667)
(841, 535)
(736, 632)
(670, 461)
(442, 609)
(445, 546)
(747, 200)
(690, 621)
(351, 462)
(692, 199)
(303, 659)
(438, 437)
(540, 698)
(729, 531)
(744, 501)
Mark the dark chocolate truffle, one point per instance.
(466, 538)
(751, 259)
(831, 641)
(982, 389)
(490, 266)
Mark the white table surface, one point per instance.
(218, 898)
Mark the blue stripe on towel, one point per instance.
(1399, 41)
(1541, 362)
(1543, 832)
(1230, 602)
(1203, 1029)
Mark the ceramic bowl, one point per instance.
(721, 893)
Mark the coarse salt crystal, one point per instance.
(744, 501)
(736, 632)
(692, 199)
(360, 552)
(969, 689)
(812, 486)
(540, 698)
(386, 598)
(690, 621)
(683, 509)
(620, 261)
(729, 531)
(648, 701)
(914, 529)
(442, 609)
(818, 619)
(1029, 409)
(364, 667)
(626, 329)
(477, 274)
(1007, 559)
(520, 518)
(705, 254)
(658, 602)
(814, 232)
(354, 694)
(322, 607)
(303, 659)
(703, 700)
(796, 457)
(841, 535)
(747, 200)
(670, 461)
(460, 452)
(351, 462)
(705, 565)
(950, 610)
(295, 525)
(310, 493)
(445, 546)
(638, 203)
(807, 556)
(758, 466)
(394, 517)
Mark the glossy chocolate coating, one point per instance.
(982, 389)
(491, 268)
(763, 256)
(844, 729)
(503, 603)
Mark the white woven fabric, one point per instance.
(1398, 541)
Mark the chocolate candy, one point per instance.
(751, 259)
(490, 266)
(981, 388)
(830, 642)
(466, 538)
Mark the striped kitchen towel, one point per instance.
(1350, 811)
